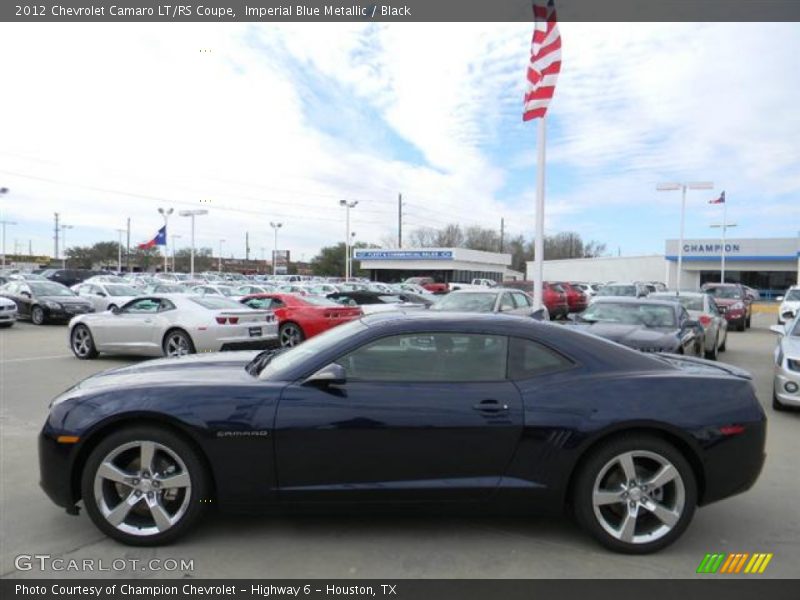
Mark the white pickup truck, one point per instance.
(477, 284)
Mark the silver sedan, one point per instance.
(786, 384)
(104, 295)
(702, 308)
(174, 325)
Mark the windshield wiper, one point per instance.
(261, 360)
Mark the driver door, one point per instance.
(132, 329)
(421, 417)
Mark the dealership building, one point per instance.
(445, 265)
(767, 264)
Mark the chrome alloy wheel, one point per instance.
(177, 345)
(290, 335)
(638, 497)
(142, 488)
(81, 341)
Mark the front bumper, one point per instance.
(784, 376)
(8, 316)
(55, 469)
(65, 314)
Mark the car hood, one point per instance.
(791, 346)
(197, 369)
(635, 336)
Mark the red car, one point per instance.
(429, 283)
(553, 297)
(733, 301)
(576, 299)
(302, 317)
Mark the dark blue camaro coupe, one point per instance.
(423, 409)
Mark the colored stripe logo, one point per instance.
(735, 563)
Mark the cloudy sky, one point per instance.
(105, 122)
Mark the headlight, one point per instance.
(738, 306)
(793, 364)
(53, 305)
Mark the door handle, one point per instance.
(490, 406)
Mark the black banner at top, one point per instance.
(398, 11)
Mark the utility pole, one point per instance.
(502, 232)
(55, 237)
(119, 250)
(128, 249)
(275, 226)
(4, 223)
(166, 213)
(399, 220)
(246, 249)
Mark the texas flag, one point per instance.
(159, 240)
(720, 200)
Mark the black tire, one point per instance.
(177, 337)
(747, 322)
(290, 334)
(776, 404)
(82, 343)
(724, 344)
(714, 354)
(112, 307)
(37, 315)
(741, 325)
(597, 464)
(195, 500)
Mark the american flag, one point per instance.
(720, 200)
(545, 64)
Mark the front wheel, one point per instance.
(82, 342)
(635, 494)
(37, 315)
(144, 486)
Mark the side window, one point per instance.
(165, 305)
(258, 303)
(506, 303)
(712, 307)
(522, 300)
(144, 305)
(528, 359)
(423, 357)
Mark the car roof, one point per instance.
(629, 300)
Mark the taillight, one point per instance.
(705, 320)
(731, 429)
(224, 320)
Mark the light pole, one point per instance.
(275, 226)
(263, 258)
(724, 226)
(4, 223)
(173, 238)
(64, 244)
(166, 213)
(348, 206)
(219, 259)
(352, 251)
(670, 187)
(119, 251)
(192, 213)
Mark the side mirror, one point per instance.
(101, 294)
(572, 317)
(788, 315)
(778, 329)
(116, 310)
(333, 374)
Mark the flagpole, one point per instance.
(538, 256)
(724, 229)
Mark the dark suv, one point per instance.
(70, 277)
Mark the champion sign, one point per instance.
(711, 248)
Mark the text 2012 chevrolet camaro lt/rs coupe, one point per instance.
(494, 411)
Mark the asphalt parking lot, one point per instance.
(35, 365)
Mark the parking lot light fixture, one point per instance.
(275, 226)
(4, 223)
(192, 214)
(219, 259)
(675, 186)
(348, 205)
(64, 228)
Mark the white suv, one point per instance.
(790, 304)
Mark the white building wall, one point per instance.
(604, 268)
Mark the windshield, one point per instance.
(280, 363)
(467, 302)
(793, 296)
(688, 302)
(166, 288)
(225, 291)
(121, 290)
(215, 302)
(731, 293)
(50, 289)
(617, 290)
(647, 315)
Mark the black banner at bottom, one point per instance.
(400, 589)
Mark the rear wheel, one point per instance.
(144, 486)
(177, 343)
(290, 334)
(741, 326)
(82, 342)
(713, 353)
(747, 322)
(724, 342)
(635, 494)
(37, 315)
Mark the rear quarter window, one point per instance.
(527, 359)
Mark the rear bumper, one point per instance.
(251, 345)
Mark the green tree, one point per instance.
(203, 260)
(330, 261)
